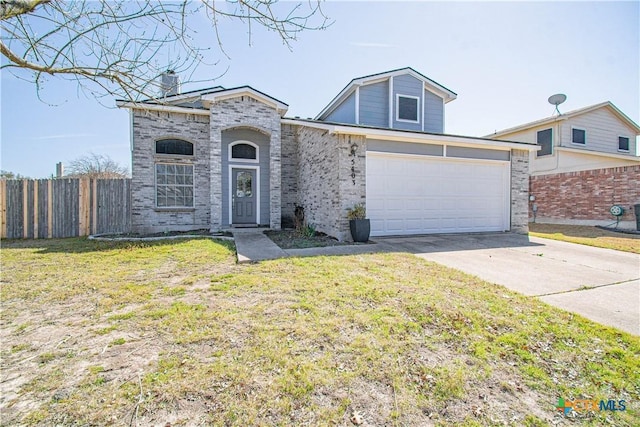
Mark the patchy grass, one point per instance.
(587, 235)
(100, 333)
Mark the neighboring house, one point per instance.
(586, 163)
(220, 158)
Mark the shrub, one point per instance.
(357, 212)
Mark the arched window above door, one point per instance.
(243, 151)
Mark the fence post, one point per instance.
(83, 207)
(95, 206)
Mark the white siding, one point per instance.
(602, 131)
(602, 128)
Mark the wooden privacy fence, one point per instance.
(64, 207)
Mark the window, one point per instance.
(545, 141)
(243, 151)
(578, 136)
(244, 186)
(407, 108)
(174, 185)
(623, 143)
(174, 146)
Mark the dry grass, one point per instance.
(586, 235)
(98, 333)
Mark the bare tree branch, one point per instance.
(95, 166)
(121, 47)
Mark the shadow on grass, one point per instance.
(581, 231)
(84, 245)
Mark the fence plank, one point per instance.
(49, 209)
(25, 208)
(3, 209)
(35, 209)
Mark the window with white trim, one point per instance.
(578, 136)
(623, 143)
(174, 185)
(545, 140)
(407, 108)
(243, 151)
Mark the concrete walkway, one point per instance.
(252, 246)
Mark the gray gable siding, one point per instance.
(345, 112)
(407, 85)
(404, 147)
(433, 113)
(374, 104)
(262, 141)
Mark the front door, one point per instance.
(243, 196)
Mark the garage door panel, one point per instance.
(417, 194)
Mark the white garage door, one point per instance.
(420, 195)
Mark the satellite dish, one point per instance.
(557, 99)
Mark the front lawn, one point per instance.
(106, 333)
(587, 235)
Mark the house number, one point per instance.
(354, 147)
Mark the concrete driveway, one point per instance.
(600, 284)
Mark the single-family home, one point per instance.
(229, 157)
(587, 162)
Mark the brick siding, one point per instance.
(149, 126)
(586, 195)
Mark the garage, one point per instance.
(420, 194)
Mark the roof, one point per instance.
(607, 104)
(373, 132)
(181, 97)
(246, 91)
(447, 94)
(208, 96)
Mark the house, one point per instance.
(220, 158)
(587, 162)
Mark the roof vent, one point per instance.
(169, 84)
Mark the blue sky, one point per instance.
(503, 59)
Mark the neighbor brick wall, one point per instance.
(148, 126)
(587, 195)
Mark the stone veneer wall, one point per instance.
(352, 178)
(246, 112)
(326, 187)
(520, 191)
(573, 197)
(149, 126)
(289, 174)
(318, 191)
